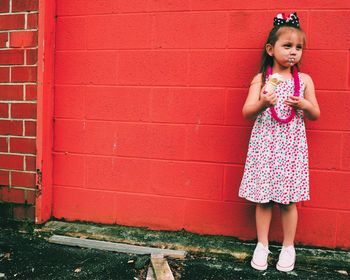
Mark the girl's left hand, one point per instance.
(296, 102)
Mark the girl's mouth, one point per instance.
(291, 60)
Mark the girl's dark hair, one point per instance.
(267, 60)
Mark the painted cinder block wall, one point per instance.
(18, 76)
(148, 125)
(148, 128)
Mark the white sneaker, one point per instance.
(286, 259)
(259, 260)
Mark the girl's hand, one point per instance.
(268, 98)
(297, 102)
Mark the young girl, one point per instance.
(276, 169)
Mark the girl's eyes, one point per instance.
(288, 46)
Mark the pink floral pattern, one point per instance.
(276, 167)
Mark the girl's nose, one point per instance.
(293, 51)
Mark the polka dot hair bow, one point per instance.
(283, 20)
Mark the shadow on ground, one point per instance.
(26, 254)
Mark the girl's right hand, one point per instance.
(268, 98)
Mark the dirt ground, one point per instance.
(26, 254)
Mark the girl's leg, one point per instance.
(289, 217)
(263, 216)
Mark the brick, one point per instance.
(326, 22)
(194, 30)
(32, 21)
(11, 92)
(166, 141)
(4, 178)
(188, 180)
(11, 162)
(330, 102)
(69, 170)
(10, 127)
(216, 68)
(31, 92)
(168, 5)
(4, 110)
(345, 160)
(22, 145)
(8, 22)
(317, 59)
(155, 212)
(119, 174)
(23, 74)
(83, 7)
(181, 105)
(3, 144)
(4, 74)
(343, 230)
(11, 57)
(29, 196)
(316, 227)
(30, 128)
(324, 149)
(217, 143)
(221, 218)
(25, 6)
(23, 110)
(131, 31)
(23, 179)
(136, 140)
(117, 139)
(172, 30)
(133, 6)
(70, 101)
(20, 196)
(256, 4)
(234, 104)
(30, 163)
(232, 179)
(152, 68)
(67, 203)
(4, 6)
(106, 103)
(71, 33)
(31, 56)
(241, 27)
(24, 212)
(3, 39)
(12, 195)
(93, 67)
(23, 39)
(329, 190)
(69, 135)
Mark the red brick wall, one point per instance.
(18, 75)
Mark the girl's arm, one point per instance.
(257, 101)
(309, 103)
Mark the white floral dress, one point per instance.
(276, 167)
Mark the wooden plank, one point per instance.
(116, 247)
(161, 269)
(150, 274)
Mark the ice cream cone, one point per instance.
(273, 82)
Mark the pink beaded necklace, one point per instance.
(296, 93)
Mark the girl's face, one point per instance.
(288, 48)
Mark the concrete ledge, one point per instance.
(182, 240)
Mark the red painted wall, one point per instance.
(18, 95)
(148, 126)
